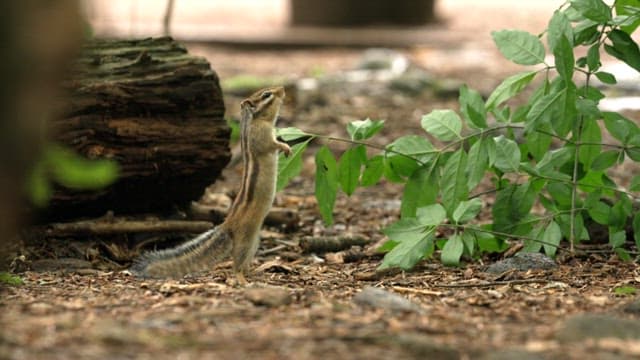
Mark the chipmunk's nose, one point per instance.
(279, 90)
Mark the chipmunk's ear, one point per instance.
(247, 103)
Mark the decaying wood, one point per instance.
(321, 245)
(121, 226)
(153, 108)
(277, 216)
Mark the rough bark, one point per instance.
(153, 108)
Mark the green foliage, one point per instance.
(9, 279)
(570, 182)
(65, 167)
(234, 125)
(326, 183)
(625, 290)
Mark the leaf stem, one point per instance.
(508, 235)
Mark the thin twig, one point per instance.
(492, 283)
(120, 226)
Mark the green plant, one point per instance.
(562, 164)
(63, 166)
(9, 279)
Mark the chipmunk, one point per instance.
(239, 234)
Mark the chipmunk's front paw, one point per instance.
(285, 149)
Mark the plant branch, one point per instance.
(499, 233)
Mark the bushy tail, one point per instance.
(194, 255)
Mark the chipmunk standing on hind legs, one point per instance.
(239, 234)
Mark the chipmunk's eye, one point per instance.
(265, 95)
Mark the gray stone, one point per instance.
(632, 307)
(523, 262)
(596, 326)
(268, 296)
(383, 299)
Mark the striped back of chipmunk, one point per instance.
(259, 106)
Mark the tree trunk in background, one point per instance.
(153, 108)
(362, 12)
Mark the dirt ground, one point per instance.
(305, 304)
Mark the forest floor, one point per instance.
(76, 302)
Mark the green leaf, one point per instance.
(373, 170)
(564, 60)
(443, 124)
(291, 133)
(580, 231)
(433, 215)
(635, 183)
(9, 279)
(453, 182)
(467, 210)
(509, 87)
(544, 109)
(532, 246)
(349, 167)
(414, 146)
(588, 108)
(326, 183)
(555, 159)
(636, 229)
(622, 254)
(563, 119)
(617, 238)
(624, 48)
(469, 241)
(593, 57)
(627, 7)
(76, 172)
(519, 46)
(472, 107)
(599, 212)
(421, 189)
(606, 78)
(633, 151)
(507, 154)
(408, 229)
(619, 127)
(595, 10)
(234, 125)
(38, 186)
(559, 26)
(452, 251)
(591, 93)
(409, 250)
(591, 137)
(561, 193)
(605, 160)
(538, 143)
(490, 244)
(477, 163)
(625, 290)
(620, 212)
(364, 129)
(552, 236)
(512, 205)
(586, 33)
(290, 166)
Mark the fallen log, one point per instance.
(153, 108)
